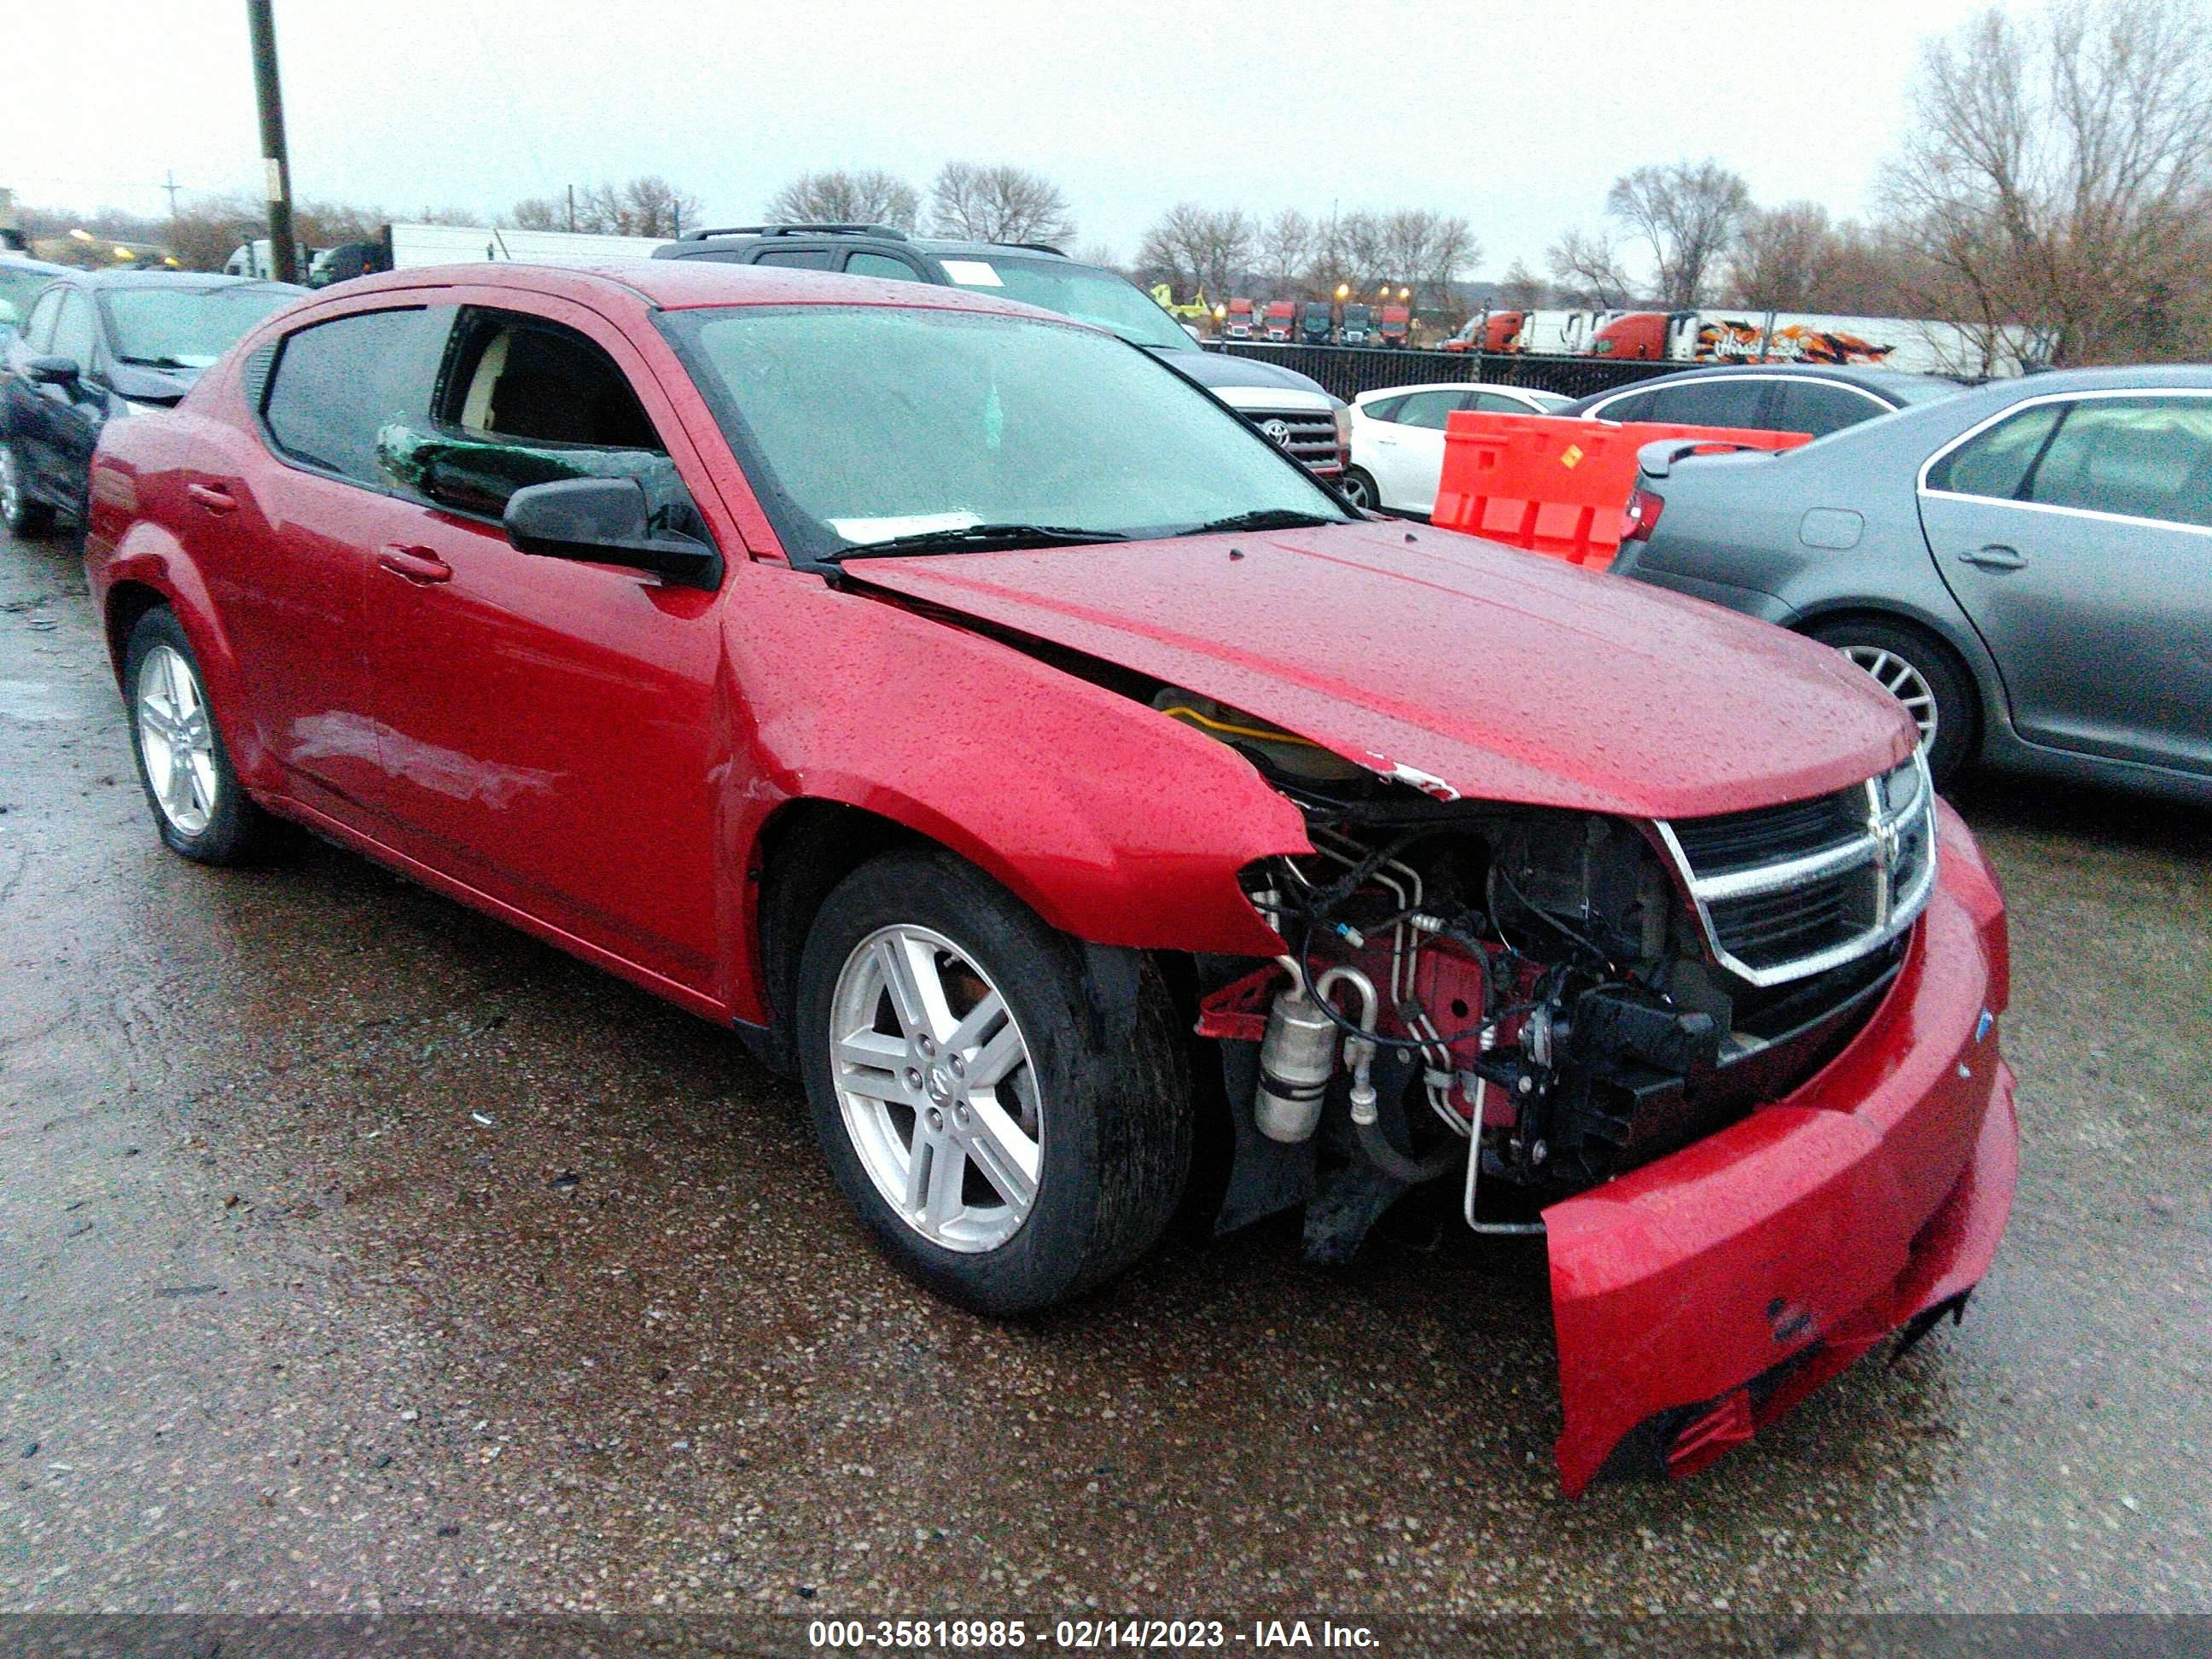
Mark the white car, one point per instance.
(1398, 438)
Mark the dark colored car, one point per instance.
(20, 279)
(97, 345)
(1293, 410)
(1010, 741)
(2026, 566)
(1767, 398)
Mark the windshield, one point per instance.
(861, 424)
(185, 327)
(18, 287)
(1083, 292)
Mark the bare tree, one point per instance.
(1285, 245)
(999, 205)
(1782, 260)
(1522, 288)
(1101, 254)
(870, 196)
(1688, 214)
(1586, 265)
(648, 205)
(1194, 247)
(2059, 174)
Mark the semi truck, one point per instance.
(1316, 322)
(1396, 326)
(1282, 317)
(1237, 323)
(1357, 328)
(1918, 345)
(1555, 333)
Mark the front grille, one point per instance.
(1312, 434)
(1788, 891)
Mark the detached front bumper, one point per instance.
(1700, 1297)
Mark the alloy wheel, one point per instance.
(1356, 491)
(1902, 681)
(937, 1089)
(177, 738)
(11, 489)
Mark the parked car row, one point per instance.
(1015, 745)
(94, 345)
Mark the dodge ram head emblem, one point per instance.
(1279, 430)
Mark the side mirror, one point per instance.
(53, 371)
(604, 521)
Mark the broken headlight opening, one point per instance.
(1536, 1002)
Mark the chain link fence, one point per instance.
(1348, 371)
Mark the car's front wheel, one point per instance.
(1359, 489)
(23, 516)
(1920, 674)
(201, 808)
(1011, 1131)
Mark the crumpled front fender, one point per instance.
(1702, 1295)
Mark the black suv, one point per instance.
(1290, 408)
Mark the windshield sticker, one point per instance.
(863, 530)
(972, 273)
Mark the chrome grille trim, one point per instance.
(1896, 849)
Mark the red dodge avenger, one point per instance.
(1015, 745)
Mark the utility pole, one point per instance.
(171, 187)
(572, 207)
(284, 244)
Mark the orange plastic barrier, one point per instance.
(1557, 486)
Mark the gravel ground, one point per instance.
(358, 1252)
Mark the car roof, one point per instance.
(690, 284)
(712, 242)
(1381, 392)
(45, 267)
(1891, 384)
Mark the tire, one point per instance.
(25, 518)
(1922, 675)
(1358, 488)
(1008, 1194)
(199, 807)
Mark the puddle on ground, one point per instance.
(33, 701)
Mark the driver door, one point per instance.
(552, 731)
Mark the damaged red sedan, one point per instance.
(1013, 744)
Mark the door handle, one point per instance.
(418, 565)
(214, 500)
(1996, 556)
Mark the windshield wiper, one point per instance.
(151, 363)
(1267, 518)
(974, 537)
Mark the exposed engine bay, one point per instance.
(1525, 1000)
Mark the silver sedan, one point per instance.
(2026, 566)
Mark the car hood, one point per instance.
(1458, 666)
(1220, 369)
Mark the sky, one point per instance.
(1515, 115)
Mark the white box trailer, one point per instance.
(409, 245)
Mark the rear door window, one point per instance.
(338, 383)
(1383, 409)
(1428, 408)
(1994, 463)
(1710, 403)
(1498, 403)
(2141, 458)
(1819, 407)
(1636, 406)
